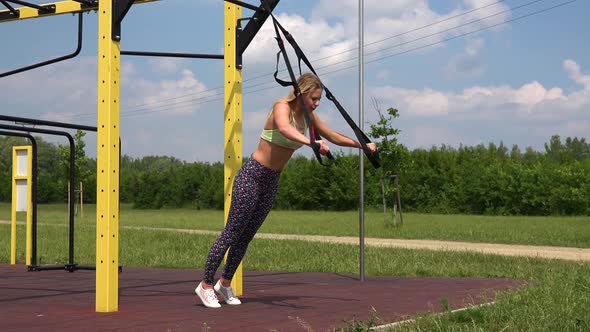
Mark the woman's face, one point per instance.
(312, 99)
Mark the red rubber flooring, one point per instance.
(163, 300)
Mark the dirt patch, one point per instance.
(567, 253)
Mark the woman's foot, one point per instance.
(227, 293)
(207, 296)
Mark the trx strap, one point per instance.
(313, 134)
(361, 137)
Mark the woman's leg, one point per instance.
(264, 204)
(244, 198)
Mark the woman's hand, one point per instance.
(324, 148)
(372, 147)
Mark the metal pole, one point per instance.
(361, 159)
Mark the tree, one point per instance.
(391, 152)
(82, 165)
(578, 148)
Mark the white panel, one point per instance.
(21, 195)
(22, 159)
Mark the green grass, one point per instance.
(556, 299)
(551, 231)
(554, 231)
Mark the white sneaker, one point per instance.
(208, 297)
(227, 293)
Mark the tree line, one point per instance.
(483, 179)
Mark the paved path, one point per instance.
(567, 253)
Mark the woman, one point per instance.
(255, 185)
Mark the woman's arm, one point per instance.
(282, 121)
(336, 137)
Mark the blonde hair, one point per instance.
(306, 82)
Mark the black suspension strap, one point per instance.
(360, 135)
(313, 134)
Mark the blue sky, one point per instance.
(460, 72)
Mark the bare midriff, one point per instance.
(272, 156)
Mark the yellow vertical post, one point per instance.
(232, 115)
(13, 211)
(22, 170)
(107, 155)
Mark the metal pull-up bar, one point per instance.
(174, 55)
(17, 119)
(244, 36)
(48, 62)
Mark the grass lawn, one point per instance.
(551, 231)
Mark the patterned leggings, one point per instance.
(253, 195)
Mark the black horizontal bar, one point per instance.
(10, 8)
(46, 123)
(51, 61)
(174, 55)
(45, 267)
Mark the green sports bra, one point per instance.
(274, 136)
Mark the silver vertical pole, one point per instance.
(361, 159)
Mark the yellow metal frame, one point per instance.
(232, 160)
(61, 7)
(107, 158)
(28, 178)
(108, 137)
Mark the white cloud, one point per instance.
(443, 117)
(427, 102)
(317, 39)
(467, 64)
(184, 94)
(397, 26)
(486, 13)
(331, 36)
(59, 89)
(575, 73)
(474, 100)
(166, 66)
(532, 94)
